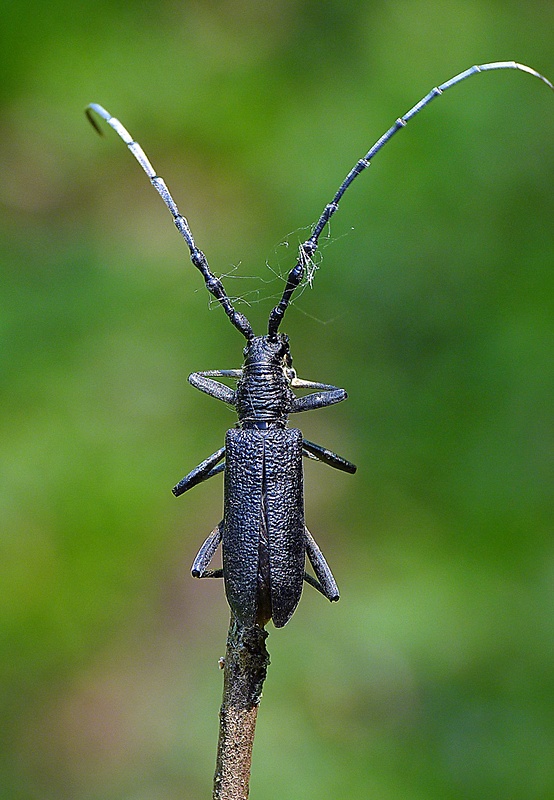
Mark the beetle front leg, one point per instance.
(317, 400)
(324, 581)
(205, 555)
(204, 381)
(207, 469)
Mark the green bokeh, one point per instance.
(433, 305)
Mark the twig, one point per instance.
(246, 663)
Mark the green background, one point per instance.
(433, 306)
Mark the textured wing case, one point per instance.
(263, 475)
(285, 520)
(244, 459)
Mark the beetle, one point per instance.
(264, 537)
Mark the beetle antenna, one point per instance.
(309, 247)
(213, 284)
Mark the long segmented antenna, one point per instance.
(213, 284)
(309, 247)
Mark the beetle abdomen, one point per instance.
(264, 514)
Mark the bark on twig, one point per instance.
(246, 663)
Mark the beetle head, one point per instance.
(268, 351)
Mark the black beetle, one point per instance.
(264, 537)
(265, 540)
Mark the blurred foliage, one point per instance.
(433, 306)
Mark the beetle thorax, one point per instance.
(263, 394)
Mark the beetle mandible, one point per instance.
(263, 535)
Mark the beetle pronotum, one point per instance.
(265, 540)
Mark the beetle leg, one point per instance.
(214, 388)
(317, 400)
(202, 472)
(205, 555)
(299, 383)
(323, 581)
(312, 450)
(215, 471)
(220, 373)
(314, 582)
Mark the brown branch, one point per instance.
(246, 663)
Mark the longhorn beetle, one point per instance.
(265, 540)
